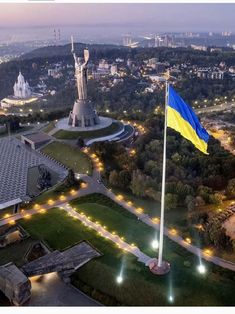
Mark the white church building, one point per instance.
(22, 94)
(22, 88)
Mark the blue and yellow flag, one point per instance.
(182, 119)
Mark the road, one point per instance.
(221, 107)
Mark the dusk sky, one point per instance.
(108, 22)
(162, 17)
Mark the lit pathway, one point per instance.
(171, 234)
(41, 209)
(101, 230)
(94, 187)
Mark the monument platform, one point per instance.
(104, 122)
(156, 270)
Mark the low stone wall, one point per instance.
(14, 284)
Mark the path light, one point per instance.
(188, 240)
(139, 210)
(50, 202)
(208, 252)
(201, 269)
(173, 231)
(155, 244)
(155, 220)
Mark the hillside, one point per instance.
(97, 50)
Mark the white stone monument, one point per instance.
(83, 113)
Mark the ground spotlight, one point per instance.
(119, 279)
(201, 269)
(155, 244)
(171, 298)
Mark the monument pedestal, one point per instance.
(83, 114)
(155, 269)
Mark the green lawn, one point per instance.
(114, 127)
(176, 217)
(140, 287)
(70, 156)
(49, 127)
(15, 252)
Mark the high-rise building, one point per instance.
(127, 40)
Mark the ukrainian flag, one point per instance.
(182, 119)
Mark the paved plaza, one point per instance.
(15, 160)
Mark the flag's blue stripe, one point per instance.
(177, 103)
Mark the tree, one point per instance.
(70, 179)
(190, 202)
(113, 178)
(80, 142)
(124, 179)
(171, 201)
(216, 198)
(230, 191)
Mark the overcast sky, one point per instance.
(162, 17)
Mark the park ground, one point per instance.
(140, 286)
(70, 156)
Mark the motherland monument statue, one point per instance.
(83, 114)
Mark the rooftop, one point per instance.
(15, 160)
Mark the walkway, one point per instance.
(50, 290)
(94, 187)
(108, 235)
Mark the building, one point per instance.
(22, 94)
(35, 140)
(210, 74)
(127, 40)
(17, 172)
(21, 88)
(113, 69)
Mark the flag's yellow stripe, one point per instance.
(179, 124)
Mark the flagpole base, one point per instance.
(159, 270)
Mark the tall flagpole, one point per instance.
(161, 235)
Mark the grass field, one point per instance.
(114, 127)
(140, 287)
(49, 127)
(70, 156)
(53, 193)
(173, 217)
(15, 252)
